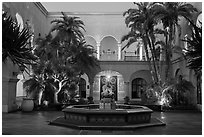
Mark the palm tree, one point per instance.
(85, 57)
(70, 37)
(66, 56)
(141, 23)
(169, 13)
(194, 54)
(15, 43)
(68, 29)
(35, 86)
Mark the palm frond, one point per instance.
(15, 43)
(194, 51)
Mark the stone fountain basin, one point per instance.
(121, 116)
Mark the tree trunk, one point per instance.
(148, 59)
(156, 64)
(167, 59)
(169, 40)
(56, 97)
(153, 58)
(40, 97)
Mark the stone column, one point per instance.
(141, 50)
(119, 51)
(98, 50)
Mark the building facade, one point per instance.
(126, 69)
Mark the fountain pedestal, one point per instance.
(107, 104)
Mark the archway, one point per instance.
(82, 88)
(138, 82)
(109, 48)
(114, 78)
(19, 21)
(199, 20)
(138, 86)
(91, 41)
(178, 75)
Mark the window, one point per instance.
(82, 88)
(138, 86)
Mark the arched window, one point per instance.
(82, 88)
(199, 20)
(19, 21)
(109, 48)
(138, 86)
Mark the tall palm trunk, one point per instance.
(168, 50)
(156, 64)
(148, 59)
(153, 58)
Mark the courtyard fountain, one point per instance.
(107, 114)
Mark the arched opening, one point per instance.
(135, 51)
(20, 93)
(91, 41)
(109, 48)
(111, 78)
(19, 86)
(82, 88)
(178, 75)
(19, 21)
(138, 87)
(199, 20)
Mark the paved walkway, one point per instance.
(36, 123)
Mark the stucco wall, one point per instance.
(29, 11)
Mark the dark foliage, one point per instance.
(14, 42)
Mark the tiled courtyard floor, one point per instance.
(36, 123)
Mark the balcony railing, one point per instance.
(132, 56)
(125, 56)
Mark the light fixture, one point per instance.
(108, 77)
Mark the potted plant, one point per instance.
(34, 88)
(126, 99)
(90, 100)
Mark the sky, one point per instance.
(90, 7)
